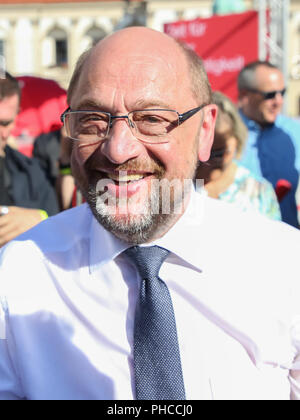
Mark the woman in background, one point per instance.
(223, 177)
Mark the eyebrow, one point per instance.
(89, 103)
(142, 104)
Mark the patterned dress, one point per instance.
(251, 193)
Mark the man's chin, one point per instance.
(129, 227)
(143, 216)
(271, 117)
(120, 216)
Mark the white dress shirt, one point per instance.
(68, 296)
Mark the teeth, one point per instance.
(126, 178)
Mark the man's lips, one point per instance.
(125, 177)
(125, 183)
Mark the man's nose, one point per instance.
(121, 145)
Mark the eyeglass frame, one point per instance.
(268, 95)
(181, 117)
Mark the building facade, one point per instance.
(45, 37)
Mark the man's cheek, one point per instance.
(78, 168)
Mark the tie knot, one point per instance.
(147, 260)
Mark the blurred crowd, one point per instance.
(254, 163)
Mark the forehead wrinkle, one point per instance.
(117, 94)
(89, 103)
(134, 71)
(94, 97)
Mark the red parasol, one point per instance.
(42, 103)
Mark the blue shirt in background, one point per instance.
(274, 153)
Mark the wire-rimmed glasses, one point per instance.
(148, 125)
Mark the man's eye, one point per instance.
(5, 123)
(149, 119)
(93, 117)
(152, 119)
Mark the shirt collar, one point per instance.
(251, 124)
(182, 240)
(103, 246)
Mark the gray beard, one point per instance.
(133, 229)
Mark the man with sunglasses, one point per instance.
(273, 147)
(125, 297)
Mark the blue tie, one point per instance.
(157, 365)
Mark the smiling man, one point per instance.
(115, 301)
(146, 87)
(273, 147)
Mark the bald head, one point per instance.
(139, 40)
(143, 50)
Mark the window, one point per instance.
(60, 47)
(1, 48)
(61, 50)
(95, 34)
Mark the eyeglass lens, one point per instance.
(270, 95)
(94, 126)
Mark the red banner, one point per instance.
(42, 103)
(225, 43)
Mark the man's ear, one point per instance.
(207, 132)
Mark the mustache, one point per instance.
(134, 165)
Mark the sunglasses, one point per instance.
(269, 95)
